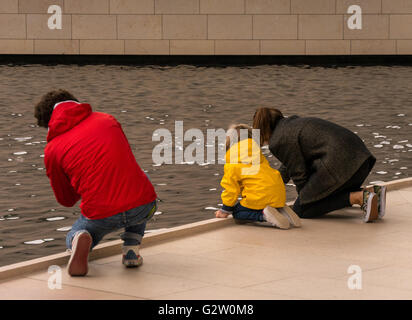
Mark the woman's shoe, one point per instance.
(78, 263)
(293, 218)
(370, 206)
(381, 193)
(275, 218)
(131, 257)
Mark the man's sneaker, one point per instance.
(293, 218)
(274, 217)
(370, 206)
(78, 263)
(131, 257)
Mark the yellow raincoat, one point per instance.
(248, 173)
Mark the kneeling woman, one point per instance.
(327, 163)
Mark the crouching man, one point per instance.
(88, 157)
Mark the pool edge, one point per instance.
(114, 247)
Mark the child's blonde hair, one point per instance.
(233, 134)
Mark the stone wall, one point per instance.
(206, 27)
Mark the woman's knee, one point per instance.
(305, 212)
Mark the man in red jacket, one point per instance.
(88, 156)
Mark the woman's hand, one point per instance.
(221, 214)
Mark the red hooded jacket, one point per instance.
(88, 156)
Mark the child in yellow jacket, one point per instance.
(248, 173)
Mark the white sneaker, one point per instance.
(291, 216)
(274, 217)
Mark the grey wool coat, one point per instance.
(318, 155)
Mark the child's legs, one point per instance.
(136, 220)
(242, 213)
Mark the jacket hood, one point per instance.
(246, 151)
(65, 116)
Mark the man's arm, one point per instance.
(60, 183)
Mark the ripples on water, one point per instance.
(374, 102)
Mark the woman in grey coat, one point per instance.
(327, 163)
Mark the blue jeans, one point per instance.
(133, 221)
(242, 213)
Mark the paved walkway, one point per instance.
(255, 262)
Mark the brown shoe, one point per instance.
(381, 193)
(370, 206)
(78, 263)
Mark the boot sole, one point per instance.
(78, 263)
(274, 217)
(294, 218)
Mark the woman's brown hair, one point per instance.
(44, 109)
(266, 119)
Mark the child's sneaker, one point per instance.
(131, 257)
(293, 218)
(78, 263)
(274, 217)
(370, 206)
